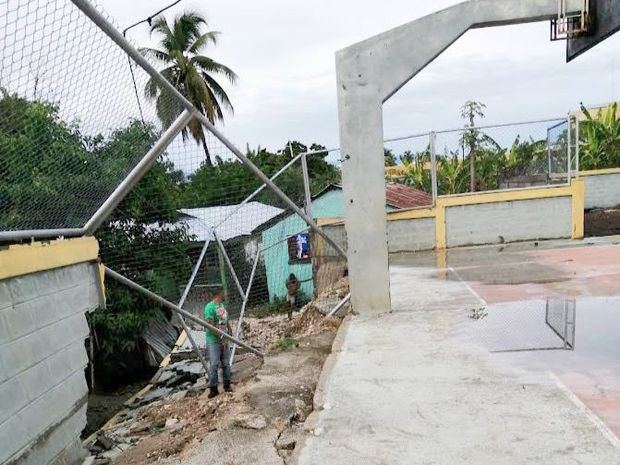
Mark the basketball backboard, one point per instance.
(604, 22)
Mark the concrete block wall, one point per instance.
(403, 235)
(546, 218)
(43, 391)
(602, 190)
(411, 235)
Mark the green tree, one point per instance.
(600, 139)
(389, 157)
(230, 182)
(190, 72)
(469, 111)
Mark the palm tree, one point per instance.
(190, 72)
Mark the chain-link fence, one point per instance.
(71, 127)
(93, 139)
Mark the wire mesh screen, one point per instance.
(409, 182)
(188, 214)
(557, 147)
(527, 326)
(501, 157)
(71, 127)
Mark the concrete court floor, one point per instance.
(409, 387)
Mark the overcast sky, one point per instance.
(283, 52)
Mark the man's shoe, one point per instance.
(214, 392)
(227, 387)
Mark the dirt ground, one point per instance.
(263, 415)
(602, 222)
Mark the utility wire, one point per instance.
(148, 20)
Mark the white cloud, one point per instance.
(283, 52)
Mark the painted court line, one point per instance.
(594, 419)
(471, 289)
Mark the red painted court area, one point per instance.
(516, 286)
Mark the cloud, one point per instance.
(284, 55)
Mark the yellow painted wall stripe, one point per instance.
(578, 202)
(412, 214)
(600, 172)
(18, 260)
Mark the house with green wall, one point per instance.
(277, 235)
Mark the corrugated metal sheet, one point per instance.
(231, 220)
(401, 196)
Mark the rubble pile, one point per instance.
(174, 411)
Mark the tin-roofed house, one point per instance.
(287, 246)
(233, 225)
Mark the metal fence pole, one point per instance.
(569, 148)
(138, 172)
(245, 303)
(230, 267)
(275, 189)
(577, 129)
(40, 233)
(186, 328)
(345, 299)
(432, 140)
(175, 308)
(306, 178)
(259, 190)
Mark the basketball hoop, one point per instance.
(566, 26)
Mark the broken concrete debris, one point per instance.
(272, 397)
(250, 421)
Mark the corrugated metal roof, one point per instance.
(231, 220)
(401, 196)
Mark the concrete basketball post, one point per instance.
(368, 74)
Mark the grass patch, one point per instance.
(284, 343)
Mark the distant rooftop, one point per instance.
(231, 220)
(401, 196)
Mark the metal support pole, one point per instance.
(175, 308)
(306, 178)
(40, 233)
(137, 172)
(344, 300)
(569, 148)
(431, 143)
(245, 302)
(230, 267)
(577, 128)
(259, 190)
(188, 287)
(275, 189)
(117, 37)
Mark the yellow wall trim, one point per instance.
(414, 213)
(507, 195)
(578, 203)
(329, 220)
(18, 260)
(599, 172)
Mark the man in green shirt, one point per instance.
(217, 347)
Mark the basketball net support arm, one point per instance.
(368, 74)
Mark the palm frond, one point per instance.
(209, 65)
(160, 55)
(204, 40)
(187, 29)
(219, 92)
